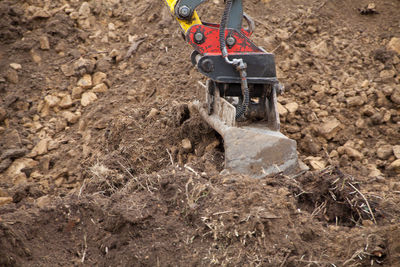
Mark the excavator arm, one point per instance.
(187, 22)
(241, 91)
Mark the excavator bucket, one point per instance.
(255, 149)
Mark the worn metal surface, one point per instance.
(253, 150)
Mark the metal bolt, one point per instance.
(184, 11)
(198, 37)
(230, 41)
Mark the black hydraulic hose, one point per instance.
(241, 109)
(238, 63)
(222, 27)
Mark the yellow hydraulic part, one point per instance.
(185, 25)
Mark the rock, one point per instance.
(384, 152)
(44, 42)
(354, 101)
(373, 171)
(88, 98)
(282, 34)
(99, 77)
(51, 100)
(70, 117)
(84, 66)
(100, 88)
(40, 148)
(5, 200)
(321, 49)
(84, 10)
(15, 66)
(292, 107)
(3, 114)
(13, 153)
(311, 29)
(395, 97)
(4, 164)
(85, 82)
(186, 145)
(43, 202)
(153, 112)
(353, 153)
(316, 163)
(41, 13)
(76, 92)
(395, 166)
(282, 110)
(103, 64)
(15, 170)
(35, 57)
(329, 129)
(387, 74)
(65, 102)
(12, 76)
(394, 44)
(396, 151)
(67, 70)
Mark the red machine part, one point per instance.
(210, 43)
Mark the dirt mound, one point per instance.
(103, 160)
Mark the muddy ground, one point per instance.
(104, 162)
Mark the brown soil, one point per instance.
(108, 183)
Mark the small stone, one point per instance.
(282, 34)
(282, 110)
(4, 164)
(396, 151)
(12, 76)
(354, 101)
(70, 117)
(74, 15)
(311, 29)
(321, 49)
(394, 44)
(65, 102)
(84, 66)
(13, 153)
(103, 64)
(88, 98)
(384, 152)
(395, 166)
(329, 128)
(16, 66)
(35, 57)
(373, 171)
(353, 153)
(44, 42)
(99, 77)
(395, 97)
(67, 70)
(51, 100)
(292, 107)
(43, 202)
(186, 145)
(316, 163)
(85, 82)
(387, 74)
(40, 148)
(153, 112)
(41, 13)
(100, 88)
(76, 92)
(84, 10)
(5, 200)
